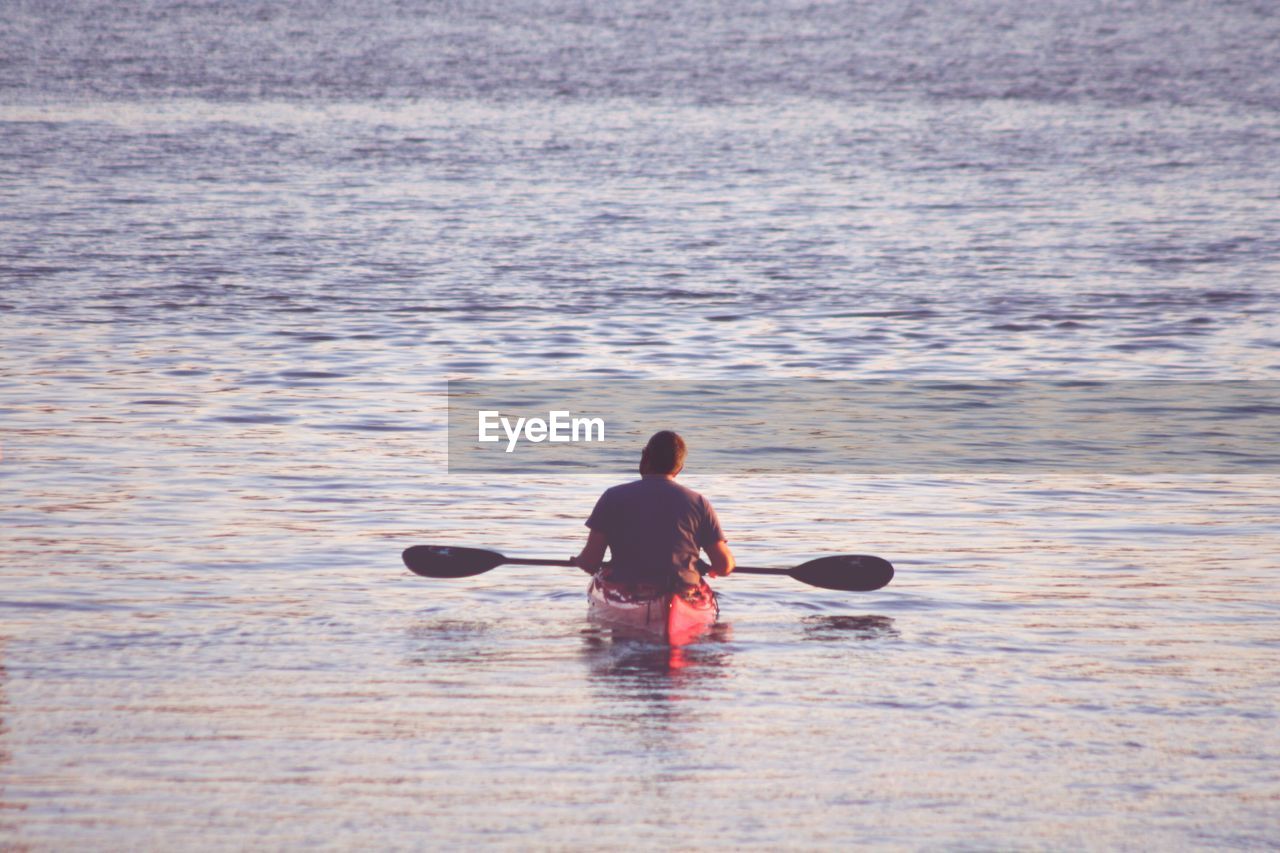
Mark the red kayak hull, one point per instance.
(666, 617)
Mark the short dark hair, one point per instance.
(664, 454)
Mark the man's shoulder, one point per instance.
(688, 492)
(623, 488)
(655, 486)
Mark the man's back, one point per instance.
(655, 528)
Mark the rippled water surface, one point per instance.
(242, 247)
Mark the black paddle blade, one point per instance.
(849, 572)
(440, 561)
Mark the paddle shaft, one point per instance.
(746, 570)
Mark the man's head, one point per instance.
(664, 454)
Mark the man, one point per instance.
(655, 527)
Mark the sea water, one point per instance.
(243, 246)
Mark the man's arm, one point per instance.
(722, 562)
(592, 553)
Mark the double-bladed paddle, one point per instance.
(849, 572)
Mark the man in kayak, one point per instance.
(655, 527)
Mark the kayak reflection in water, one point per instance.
(654, 529)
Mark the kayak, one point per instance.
(665, 617)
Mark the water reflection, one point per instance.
(7, 827)
(654, 695)
(611, 652)
(447, 641)
(839, 628)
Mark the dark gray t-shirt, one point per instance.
(655, 527)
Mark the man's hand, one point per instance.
(722, 562)
(592, 554)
